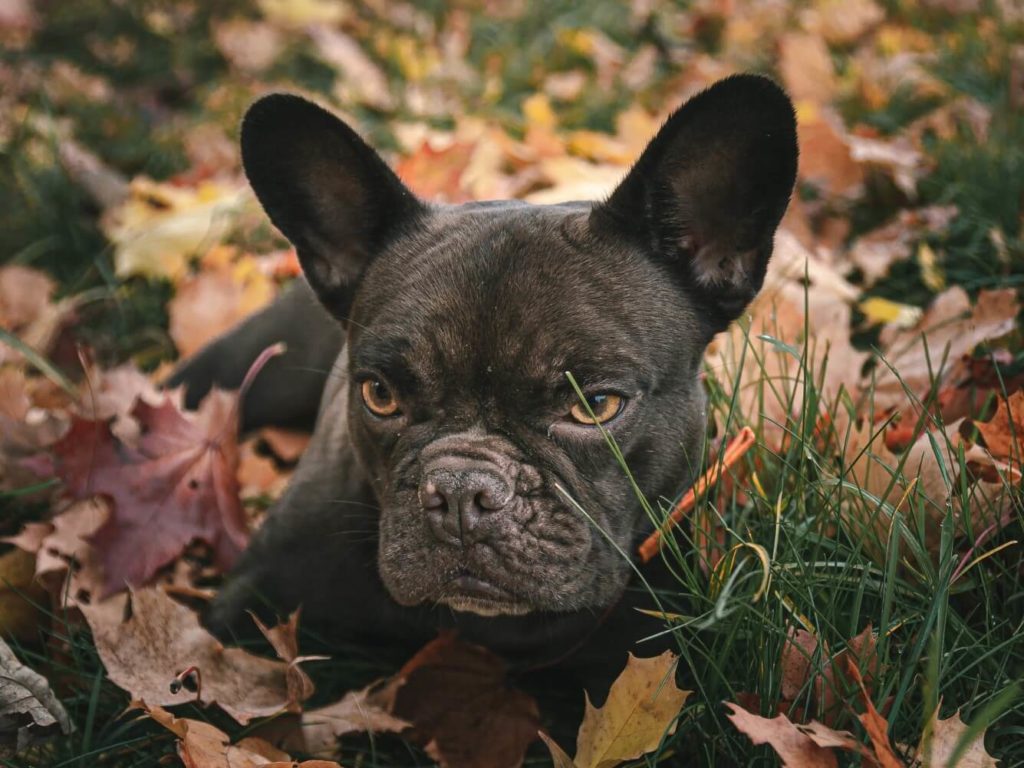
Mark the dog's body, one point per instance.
(451, 456)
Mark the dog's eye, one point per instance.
(379, 398)
(605, 407)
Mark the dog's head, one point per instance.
(498, 491)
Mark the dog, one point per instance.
(455, 476)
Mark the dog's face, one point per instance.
(498, 492)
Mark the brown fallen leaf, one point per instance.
(641, 709)
(1004, 432)
(144, 653)
(461, 708)
(841, 22)
(363, 711)
(61, 546)
(941, 739)
(24, 428)
(825, 156)
(805, 661)
(28, 311)
(249, 46)
(202, 745)
(873, 722)
(20, 596)
(795, 748)
(436, 174)
(949, 329)
(806, 68)
(176, 484)
(29, 710)
(878, 474)
(228, 287)
(284, 638)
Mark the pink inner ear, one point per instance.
(713, 265)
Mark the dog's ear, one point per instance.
(329, 193)
(708, 192)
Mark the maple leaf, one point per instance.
(1004, 432)
(176, 484)
(941, 739)
(796, 748)
(144, 653)
(641, 709)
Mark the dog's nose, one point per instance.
(457, 496)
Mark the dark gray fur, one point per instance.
(473, 314)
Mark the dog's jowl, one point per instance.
(455, 478)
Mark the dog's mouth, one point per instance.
(469, 593)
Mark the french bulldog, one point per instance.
(455, 478)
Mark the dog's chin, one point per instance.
(484, 607)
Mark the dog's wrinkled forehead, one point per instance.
(511, 292)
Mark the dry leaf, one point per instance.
(162, 638)
(201, 745)
(362, 79)
(1004, 432)
(806, 68)
(941, 739)
(461, 708)
(363, 711)
(285, 641)
(29, 710)
(841, 22)
(250, 46)
(24, 428)
(176, 484)
(20, 594)
(228, 287)
(27, 310)
(641, 709)
(876, 725)
(160, 227)
(795, 661)
(949, 329)
(825, 156)
(795, 748)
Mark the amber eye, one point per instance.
(379, 398)
(605, 407)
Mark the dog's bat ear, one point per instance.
(710, 189)
(327, 191)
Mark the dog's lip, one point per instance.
(467, 585)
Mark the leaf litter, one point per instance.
(130, 515)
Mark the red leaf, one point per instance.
(176, 484)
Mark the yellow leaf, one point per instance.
(160, 227)
(883, 311)
(931, 273)
(641, 708)
(600, 147)
(538, 112)
(301, 13)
